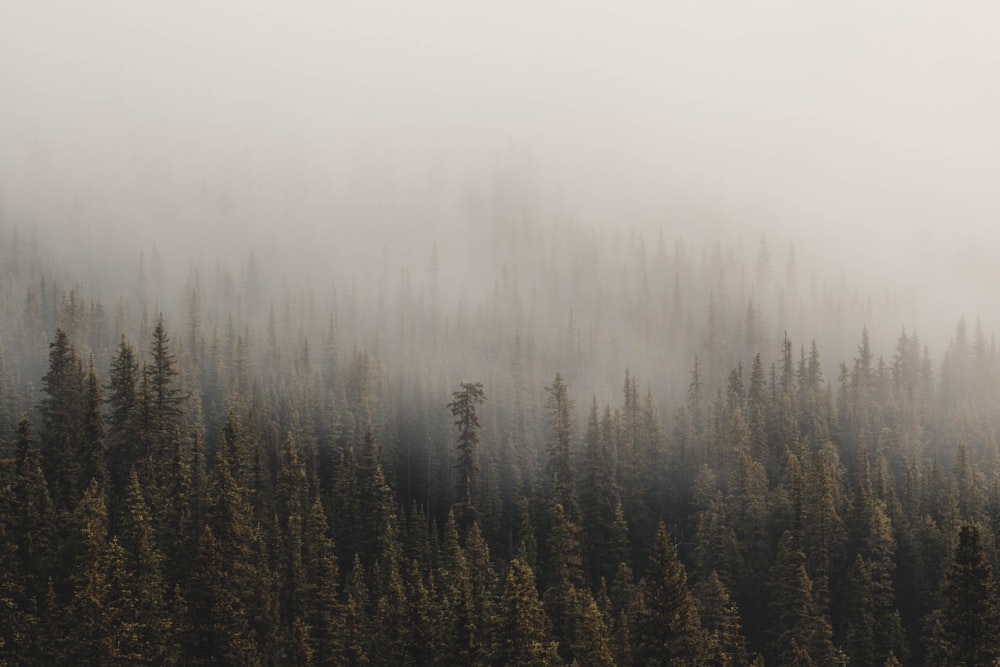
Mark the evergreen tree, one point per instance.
(966, 629)
(799, 630)
(521, 631)
(604, 526)
(320, 606)
(378, 532)
(463, 408)
(664, 617)
(153, 633)
(162, 374)
(31, 528)
(721, 618)
(560, 467)
(122, 396)
(62, 411)
(100, 619)
(90, 447)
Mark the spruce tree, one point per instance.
(797, 627)
(966, 629)
(463, 408)
(521, 631)
(320, 605)
(664, 617)
(121, 394)
(153, 632)
(62, 410)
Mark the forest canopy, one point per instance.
(659, 474)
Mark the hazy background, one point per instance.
(344, 134)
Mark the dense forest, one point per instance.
(601, 449)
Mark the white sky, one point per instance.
(866, 129)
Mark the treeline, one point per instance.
(783, 520)
(272, 481)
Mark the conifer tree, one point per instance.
(564, 576)
(604, 527)
(31, 528)
(459, 631)
(721, 618)
(463, 408)
(798, 628)
(560, 467)
(153, 634)
(220, 628)
(355, 637)
(62, 411)
(18, 625)
(394, 638)
(664, 617)
(966, 629)
(122, 396)
(378, 531)
(100, 619)
(521, 632)
(483, 584)
(162, 373)
(320, 606)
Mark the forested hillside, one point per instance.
(596, 448)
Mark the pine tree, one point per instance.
(220, 628)
(62, 411)
(162, 373)
(90, 447)
(564, 577)
(458, 615)
(521, 631)
(483, 584)
(378, 531)
(664, 617)
(393, 639)
(798, 628)
(100, 618)
(122, 397)
(721, 618)
(153, 633)
(966, 630)
(604, 527)
(32, 525)
(320, 605)
(560, 467)
(18, 623)
(463, 408)
(590, 641)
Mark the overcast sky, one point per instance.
(859, 127)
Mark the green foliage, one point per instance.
(463, 408)
(196, 508)
(522, 634)
(966, 629)
(663, 616)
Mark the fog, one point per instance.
(333, 137)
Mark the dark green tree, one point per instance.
(100, 619)
(463, 408)
(966, 629)
(121, 395)
(798, 629)
(560, 467)
(521, 631)
(153, 632)
(664, 618)
(604, 527)
(62, 410)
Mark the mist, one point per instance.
(360, 332)
(863, 135)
